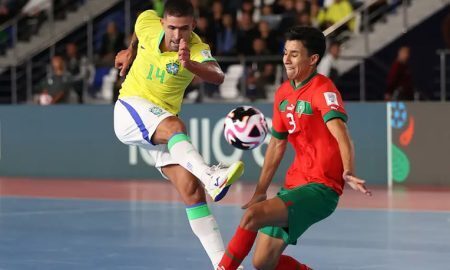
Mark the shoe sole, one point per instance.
(236, 171)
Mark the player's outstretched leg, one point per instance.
(216, 179)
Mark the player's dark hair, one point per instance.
(179, 8)
(311, 38)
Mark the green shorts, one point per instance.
(307, 205)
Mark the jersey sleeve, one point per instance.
(200, 52)
(279, 131)
(147, 21)
(329, 102)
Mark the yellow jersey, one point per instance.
(158, 76)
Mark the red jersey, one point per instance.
(300, 114)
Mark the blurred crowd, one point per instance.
(31, 14)
(232, 28)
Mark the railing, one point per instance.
(362, 17)
(443, 73)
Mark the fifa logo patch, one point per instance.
(173, 68)
(331, 98)
(156, 111)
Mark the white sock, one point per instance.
(184, 153)
(205, 227)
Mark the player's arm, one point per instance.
(125, 58)
(207, 71)
(274, 155)
(339, 130)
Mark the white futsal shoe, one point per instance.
(221, 178)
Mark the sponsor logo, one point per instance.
(217, 182)
(291, 107)
(283, 105)
(173, 68)
(331, 98)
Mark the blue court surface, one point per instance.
(124, 235)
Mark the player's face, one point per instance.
(296, 60)
(175, 29)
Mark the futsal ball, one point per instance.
(245, 127)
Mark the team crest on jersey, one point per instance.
(303, 107)
(331, 98)
(173, 68)
(206, 54)
(156, 111)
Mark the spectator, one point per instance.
(259, 73)
(79, 69)
(267, 15)
(289, 16)
(399, 81)
(302, 6)
(246, 33)
(304, 19)
(446, 30)
(215, 22)
(232, 6)
(60, 8)
(328, 64)
(248, 7)
(269, 36)
(9, 9)
(56, 89)
(158, 6)
(315, 10)
(112, 42)
(34, 13)
(337, 11)
(202, 29)
(226, 38)
(278, 7)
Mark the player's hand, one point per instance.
(355, 183)
(123, 61)
(257, 197)
(184, 54)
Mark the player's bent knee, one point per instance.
(173, 125)
(260, 263)
(249, 220)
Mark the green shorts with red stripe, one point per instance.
(306, 205)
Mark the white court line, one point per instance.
(63, 211)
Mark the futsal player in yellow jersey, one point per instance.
(166, 55)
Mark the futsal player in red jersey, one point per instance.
(309, 113)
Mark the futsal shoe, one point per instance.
(221, 178)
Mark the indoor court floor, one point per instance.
(134, 225)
